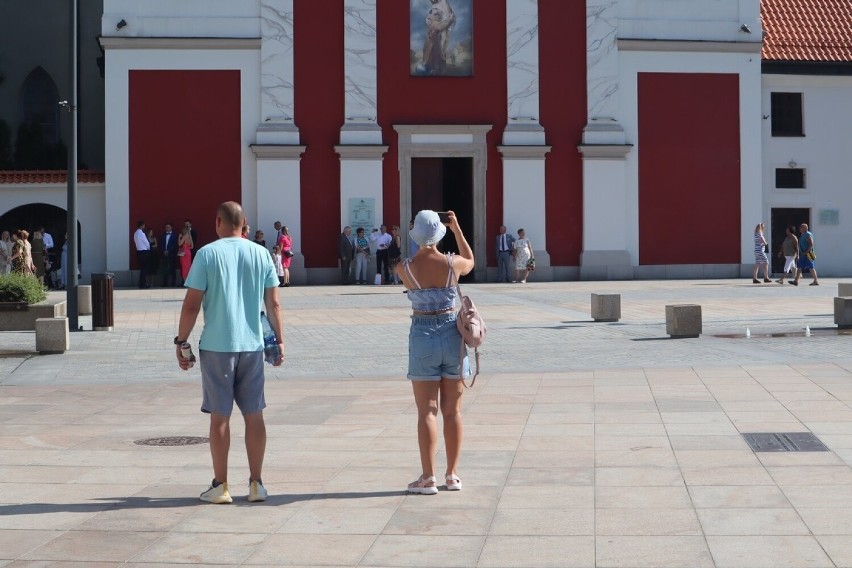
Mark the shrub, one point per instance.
(21, 288)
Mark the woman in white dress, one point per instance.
(523, 254)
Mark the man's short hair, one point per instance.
(140, 224)
(231, 213)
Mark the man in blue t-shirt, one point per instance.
(807, 255)
(233, 280)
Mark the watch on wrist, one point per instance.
(178, 341)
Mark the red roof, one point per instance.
(49, 176)
(807, 30)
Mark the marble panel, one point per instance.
(276, 60)
(522, 60)
(602, 57)
(359, 39)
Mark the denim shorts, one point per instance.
(434, 349)
(232, 377)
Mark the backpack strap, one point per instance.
(405, 266)
(451, 274)
(476, 358)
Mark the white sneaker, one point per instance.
(257, 492)
(424, 486)
(218, 495)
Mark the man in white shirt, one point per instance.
(48, 240)
(383, 240)
(143, 249)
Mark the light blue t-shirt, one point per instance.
(233, 273)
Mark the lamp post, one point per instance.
(71, 257)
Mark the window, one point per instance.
(40, 104)
(789, 178)
(787, 114)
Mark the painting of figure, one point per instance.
(441, 38)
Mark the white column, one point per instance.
(605, 213)
(360, 79)
(276, 56)
(360, 148)
(279, 198)
(524, 148)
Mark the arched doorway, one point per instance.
(54, 220)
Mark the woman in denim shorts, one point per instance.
(436, 367)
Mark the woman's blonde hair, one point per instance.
(759, 227)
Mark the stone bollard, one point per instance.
(844, 289)
(843, 312)
(84, 299)
(683, 320)
(52, 335)
(606, 307)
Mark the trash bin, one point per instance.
(103, 284)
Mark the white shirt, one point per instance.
(48, 241)
(140, 240)
(383, 241)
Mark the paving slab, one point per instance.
(586, 443)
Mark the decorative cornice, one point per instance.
(604, 151)
(515, 152)
(277, 151)
(688, 45)
(361, 151)
(442, 128)
(179, 43)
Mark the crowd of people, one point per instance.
(161, 259)
(33, 254)
(798, 253)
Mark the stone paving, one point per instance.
(586, 444)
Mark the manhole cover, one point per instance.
(784, 442)
(172, 441)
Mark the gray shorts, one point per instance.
(232, 377)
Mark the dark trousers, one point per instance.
(345, 270)
(504, 266)
(142, 260)
(168, 266)
(382, 263)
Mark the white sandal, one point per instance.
(453, 482)
(421, 486)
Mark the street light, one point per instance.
(71, 106)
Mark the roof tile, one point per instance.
(807, 30)
(48, 176)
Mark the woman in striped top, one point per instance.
(760, 258)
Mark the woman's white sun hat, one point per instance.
(428, 229)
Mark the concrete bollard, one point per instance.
(606, 307)
(84, 299)
(52, 335)
(843, 312)
(683, 320)
(844, 289)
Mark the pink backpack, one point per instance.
(472, 329)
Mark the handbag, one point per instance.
(531, 265)
(288, 253)
(811, 255)
(472, 328)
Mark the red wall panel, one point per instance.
(319, 99)
(562, 84)
(185, 148)
(689, 168)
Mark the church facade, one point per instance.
(625, 136)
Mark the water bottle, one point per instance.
(271, 351)
(186, 353)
